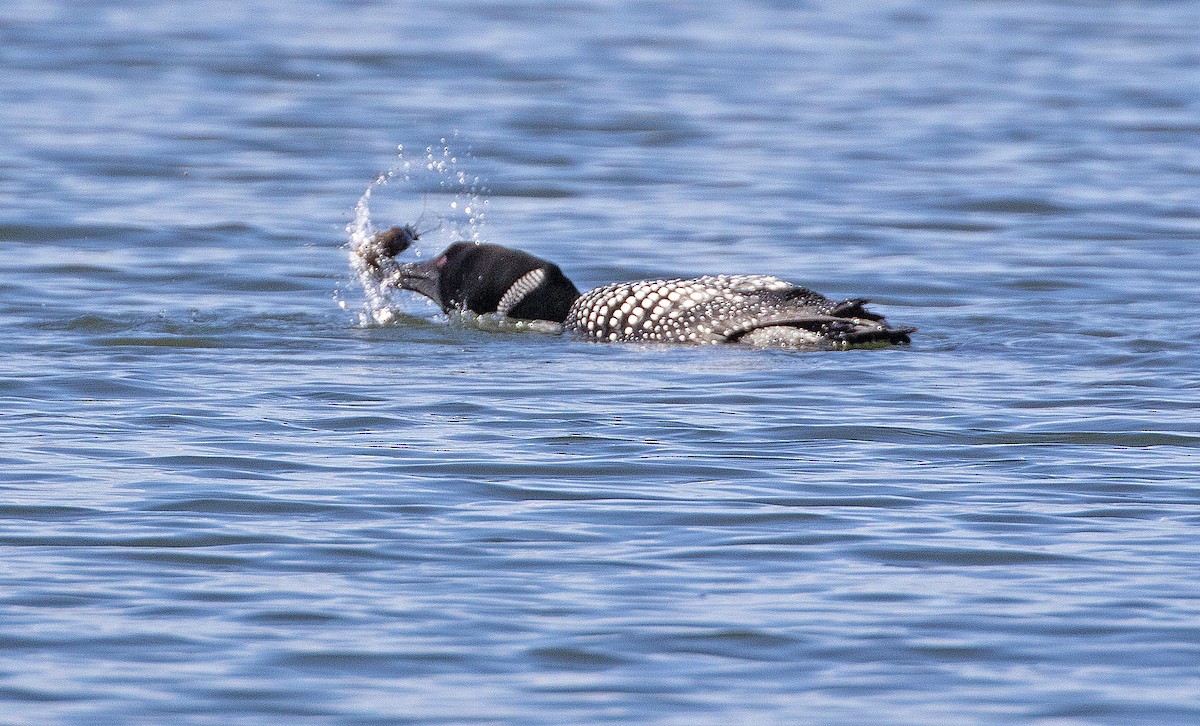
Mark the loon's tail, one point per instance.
(802, 318)
(860, 327)
(853, 326)
(860, 337)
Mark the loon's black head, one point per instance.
(487, 278)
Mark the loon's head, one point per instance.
(486, 278)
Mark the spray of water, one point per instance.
(434, 179)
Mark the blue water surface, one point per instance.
(238, 488)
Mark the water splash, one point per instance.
(436, 175)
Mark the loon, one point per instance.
(757, 310)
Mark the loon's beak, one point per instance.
(420, 277)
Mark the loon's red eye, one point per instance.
(441, 261)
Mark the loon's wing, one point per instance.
(801, 317)
(723, 309)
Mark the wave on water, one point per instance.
(435, 176)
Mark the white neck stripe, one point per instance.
(520, 289)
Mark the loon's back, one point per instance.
(754, 309)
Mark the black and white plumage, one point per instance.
(480, 278)
(752, 309)
(755, 309)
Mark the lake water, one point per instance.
(235, 490)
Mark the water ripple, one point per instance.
(242, 487)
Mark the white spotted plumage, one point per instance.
(710, 309)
